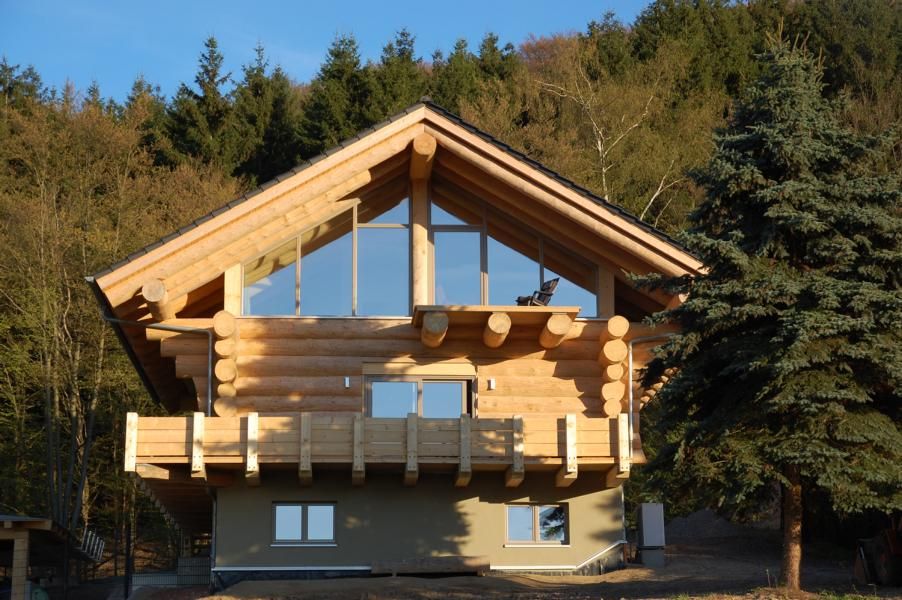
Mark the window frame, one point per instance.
(304, 539)
(482, 229)
(468, 395)
(355, 225)
(536, 536)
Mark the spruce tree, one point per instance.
(455, 79)
(790, 352)
(339, 102)
(399, 79)
(200, 122)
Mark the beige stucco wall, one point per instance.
(383, 520)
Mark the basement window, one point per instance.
(529, 524)
(303, 524)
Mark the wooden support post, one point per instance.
(358, 468)
(623, 443)
(19, 571)
(305, 461)
(161, 307)
(435, 327)
(517, 471)
(496, 329)
(131, 441)
(231, 290)
(556, 328)
(570, 470)
(422, 156)
(464, 467)
(419, 238)
(605, 293)
(412, 469)
(251, 464)
(198, 470)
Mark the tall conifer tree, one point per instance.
(790, 356)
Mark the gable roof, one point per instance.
(424, 102)
(191, 259)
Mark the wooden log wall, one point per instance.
(308, 364)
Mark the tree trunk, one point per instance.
(792, 528)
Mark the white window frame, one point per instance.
(304, 539)
(536, 539)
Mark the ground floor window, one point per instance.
(303, 523)
(537, 524)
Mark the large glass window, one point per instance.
(357, 263)
(305, 523)
(537, 524)
(396, 397)
(481, 257)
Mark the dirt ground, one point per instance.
(705, 558)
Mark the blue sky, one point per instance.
(113, 42)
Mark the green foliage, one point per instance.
(399, 79)
(339, 103)
(789, 354)
(456, 79)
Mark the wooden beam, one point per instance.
(225, 325)
(177, 476)
(606, 284)
(517, 471)
(19, 570)
(613, 351)
(198, 470)
(464, 466)
(623, 443)
(616, 328)
(497, 327)
(612, 394)
(570, 470)
(305, 461)
(419, 238)
(422, 155)
(131, 441)
(231, 290)
(435, 328)
(226, 370)
(161, 307)
(251, 464)
(556, 328)
(358, 467)
(614, 478)
(614, 372)
(411, 470)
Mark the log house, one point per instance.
(378, 397)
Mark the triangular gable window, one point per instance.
(356, 263)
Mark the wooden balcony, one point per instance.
(568, 445)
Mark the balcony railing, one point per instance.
(515, 445)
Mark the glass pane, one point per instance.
(383, 272)
(571, 294)
(288, 522)
(393, 399)
(552, 523)
(443, 399)
(511, 274)
(326, 268)
(457, 270)
(320, 522)
(519, 524)
(397, 213)
(439, 216)
(269, 282)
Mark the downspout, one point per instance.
(174, 328)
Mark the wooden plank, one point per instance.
(516, 472)
(464, 467)
(623, 443)
(421, 367)
(411, 470)
(197, 446)
(305, 461)
(358, 468)
(569, 472)
(251, 464)
(131, 441)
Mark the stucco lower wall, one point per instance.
(383, 520)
